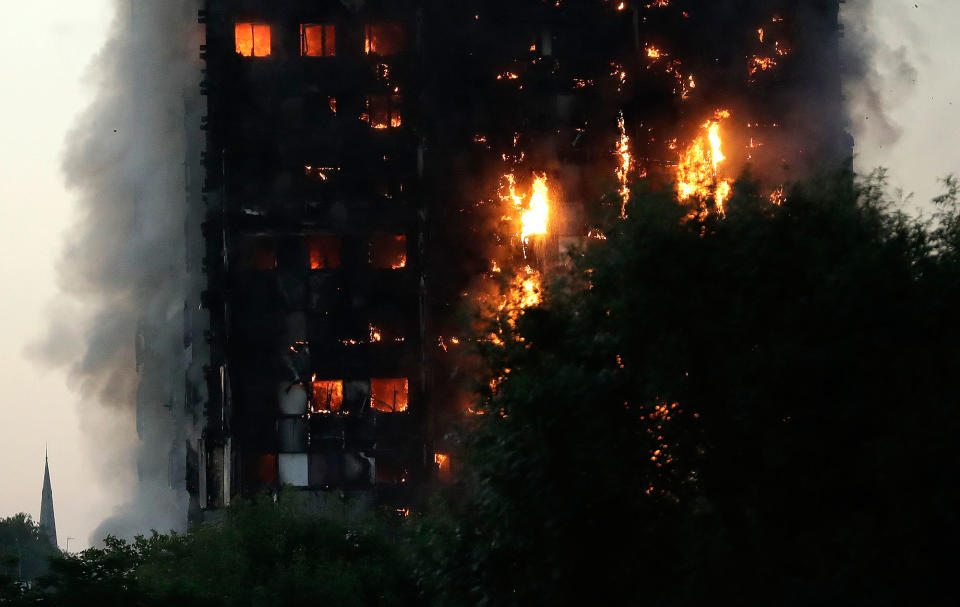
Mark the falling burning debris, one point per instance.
(624, 165)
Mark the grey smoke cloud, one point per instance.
(878, 73)
(117, 327)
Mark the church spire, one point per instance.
(48, 524)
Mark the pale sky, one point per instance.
(45, 47)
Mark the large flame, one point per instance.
(699, 166)
(534, 219)
(533, 212)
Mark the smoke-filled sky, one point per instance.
(46, 48)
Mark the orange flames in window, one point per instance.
(318, 40)
(327, 396)
(252, 39)
(390, 395)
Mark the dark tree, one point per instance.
(760, 408)
(260, 554)
(23, 553)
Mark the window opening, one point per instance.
(327, 396)
(390, 395)
(324, 252)
(388, 251)
(262, 254)
(252, 39)
(318, 40)
(383, 38)
(442, 461)
(383, 111)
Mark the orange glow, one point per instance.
(762, 64)
(390, 395)
(524, 291)
(698, 169)
(324, 252)
(263, 255)
(318, 40)
(442, 460)
(534, 219)
(327, 396)
(653, 52)
(383, 39)
(534, 213)
(252, 39)
(624, 165)
(383, 111)
(778, 196)
(388, 251)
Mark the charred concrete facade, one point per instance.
(351, 165)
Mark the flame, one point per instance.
(624, 165)
(534, 219)
(698, 168)
(778, 196)
(762, 64)
(653, 52)
(523, 291)
(535, 213)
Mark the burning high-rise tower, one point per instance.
(367, 163)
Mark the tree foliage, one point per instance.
(260, 554)
(24, 552)
(759, 408)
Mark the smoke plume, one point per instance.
(878, 76)
(117, 326)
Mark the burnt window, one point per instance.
(383, 111)
(260, 470)
(389, 471)
(259, 253)
(324, 252)
(252, 39)
(383, 38)
(318, 40)
(327, 396)
(388, 251)
(442, 461)
(391, 395)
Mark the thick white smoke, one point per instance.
(118, 326)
